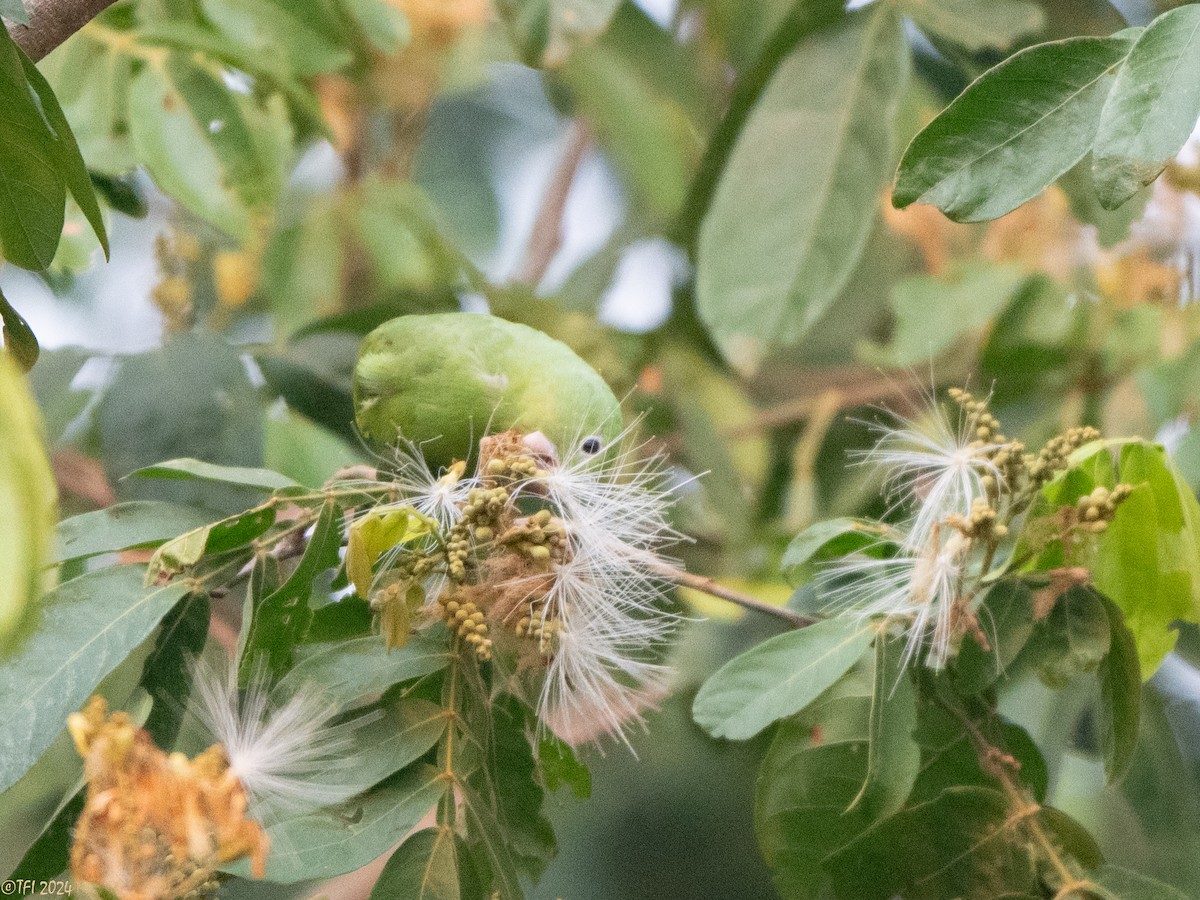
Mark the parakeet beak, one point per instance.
(541, 448)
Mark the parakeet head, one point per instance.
(444, 381)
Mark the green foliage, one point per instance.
(779, 677)
(101, 616)
(851, 77)
(1012, 132)
(27, 501)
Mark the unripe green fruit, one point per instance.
(444, 381)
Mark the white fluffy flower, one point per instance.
(935, 467)
(917, 587)
(282, 753)
(607, 596)
(439, 495)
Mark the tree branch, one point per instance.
(546, 237)
(737, 598)
(53, 21)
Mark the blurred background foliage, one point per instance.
(695, 197)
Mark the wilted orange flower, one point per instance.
(156, 826)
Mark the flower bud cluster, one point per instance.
(1095, 510)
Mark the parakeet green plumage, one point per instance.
(443, 381)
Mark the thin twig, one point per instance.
(708, 586)
(546, 237)
(849, 389)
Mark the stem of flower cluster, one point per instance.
(714, 589)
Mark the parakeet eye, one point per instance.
(591, 445)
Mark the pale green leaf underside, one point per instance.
(1152, 108)
(799, 194)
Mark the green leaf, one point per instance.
(185, 551)
(1006, 618)
(936, 313)
(348, 836)
(778, 678)
(349, 671)
(489, 833)
(976, 24)
(1152, 107)
(1071, 836)
(1013, 131)
(85, 628)
(559, 766)
(800, 808)
(829, 539)
(32, 194)
(167, 673)
(304, 38)
(280, 620)
(381, 23)
(209, 148)
(1112, 225)
(1074, 637)
(1120, 697)
(893, 755)
(70, 162)
(376, 533)
(258, 479)
(424, 867)
(830, 104)
(28, 502)
(1117, 883)
(956, 845)
(19, 339)
(138, 523)
(14, 11)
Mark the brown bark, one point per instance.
(53, 21)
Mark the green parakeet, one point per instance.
(444, 381)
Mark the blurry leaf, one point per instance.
(1112, 225)
(381, 23)
(280, 620)
(976, 24)
(1074, 637)
(1014, 131)
(1071, 837)
(349, 671)
(139, 523)
(487, 831)
(122, 194)
(830, 103)
(1006, 620)
(1121, 884)
(933, 314)
(190, 398)
(19, 339)
(829, 539)
(641, 114)
(807, 782)
(28, 502)
(14, 11)
(893, 756)
(958, 844)
(374, 534)
(302, 270)
(167, 673)
(520, 797)
(70, 163)
(1029, 349)
(312, 394)
(33, 199)
(299, 449)
(183, 552)
(559, 767)
(1152, 107)
(207, 147)
(425, 867)
(797, 22)
(364, 319)
(305, 38)
(348, 836)
(84, 629)
(778, 678)
(1120, 697)
(258, 479)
